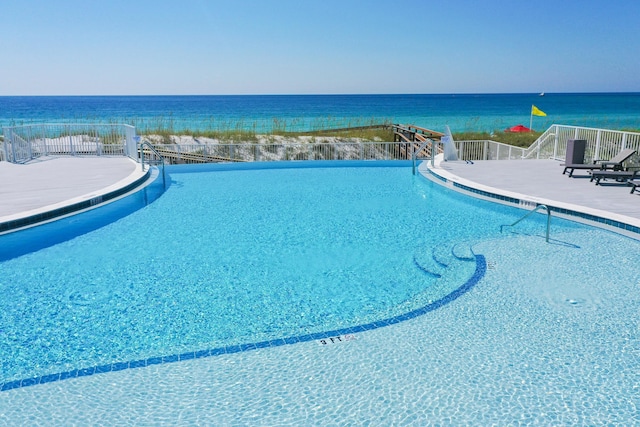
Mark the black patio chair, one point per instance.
(618, 175)
(614, 164)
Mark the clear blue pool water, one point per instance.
(231, 257)
(549, 335)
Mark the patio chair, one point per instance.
(618, 175)
(635, 186)
(614, 164)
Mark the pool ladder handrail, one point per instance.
(147, 144)
(415, 153)
(532, 211)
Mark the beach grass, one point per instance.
(517, 139)
(366, 130)
(371, 129)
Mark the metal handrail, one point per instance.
(539, 143)
(415, 152)
(545, 207)
(147, 144)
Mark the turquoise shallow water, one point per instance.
(548, 335)
(473, 112)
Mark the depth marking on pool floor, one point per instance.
(338, 339)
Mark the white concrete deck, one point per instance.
(52, 182)
(542, 181)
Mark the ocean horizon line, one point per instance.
(459, 111)
(541, 93)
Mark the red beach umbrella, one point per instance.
(518, 128)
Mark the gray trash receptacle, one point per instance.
(575, 151)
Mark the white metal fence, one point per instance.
(487, 150)
(24, 143)
(264, 152)
(601, 143)
(552, 144)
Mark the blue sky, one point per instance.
(115, 47)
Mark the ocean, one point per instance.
(263, 113)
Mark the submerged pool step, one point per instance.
(428, 265)
(441, 258)
(463, 252)
(442, 255)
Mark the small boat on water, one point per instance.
(541, 94)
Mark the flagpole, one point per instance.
(531, 120)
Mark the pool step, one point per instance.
(442, 257)
(425, 263)
(463, 252)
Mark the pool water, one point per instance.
(234, 257)
(231, 257)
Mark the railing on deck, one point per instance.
(265, 152)
(601, 143)
(552, 144)
(24, 143)
(487, 150)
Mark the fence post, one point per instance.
(29, 146)
(538, 148)
(598, 139)
(44, 141)
(71, 149)
(5, 144)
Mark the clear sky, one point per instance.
(119, 47)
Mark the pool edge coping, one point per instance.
(136, 180)
(621, 224)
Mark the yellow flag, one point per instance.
(537, 112)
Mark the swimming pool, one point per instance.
(227, 259)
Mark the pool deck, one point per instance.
(50, 183)
(539, 182)
(53, 182)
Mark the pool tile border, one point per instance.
(478, 274)
(519, 202)
(68, 209)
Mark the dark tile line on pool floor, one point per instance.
(481, 268)
(515, 201)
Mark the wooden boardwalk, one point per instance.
(415, 137)
(176, 157)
